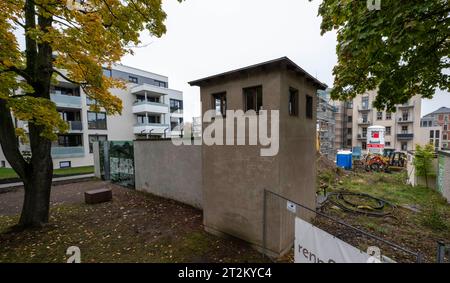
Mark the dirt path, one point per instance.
(11, 202)
(134, 227)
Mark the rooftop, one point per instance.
(442, 110)
(280, 61)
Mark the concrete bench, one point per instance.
(98, 196)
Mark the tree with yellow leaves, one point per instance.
(71, 39)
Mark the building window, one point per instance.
(154, 119)
(96, 121)
(445, 127)
(309, 107)
(220, 103)
(405, 116)
(57, 90)
(388, 131)
(349, 104)
(133, 80)
(379, 116)
(365, 103)
(70, 140)
(388, 143)
(349, 142)
(431, 134)
(364, 145)
(388, 116)
(444, 137)
(349, 131)
(176, 105)
(364, 132)
(293, 102)
(253, 98)
(107, 72)
(176, 124)
(96, 138)
(161, 84)
(90, 101)
(404, 129)
(141, 119)
(404, 146)
(65, 164)
(350, 119)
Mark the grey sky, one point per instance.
(205, 37)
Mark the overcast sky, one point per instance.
(206, 37)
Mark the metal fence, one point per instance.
(280, 213)
(443, 253)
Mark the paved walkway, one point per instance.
(59, 179)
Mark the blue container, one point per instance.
(344, 160)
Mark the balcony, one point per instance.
(68, 152)
(148, 89)
(151, 129)
(150, 107)
(364, 109)
(408, 120)
(364, 122)
(405, 137)
(66, 101)
(75, 126)
(176, 112)
(362, 136)
(407, 105)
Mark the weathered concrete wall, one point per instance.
(235, 177)
(443, 178)
(169, 171)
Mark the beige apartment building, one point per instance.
(402, 126)
(150, 110)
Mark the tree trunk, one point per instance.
(38, 183)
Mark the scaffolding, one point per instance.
(326, 124)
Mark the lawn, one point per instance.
(8, 173)
(420, 219)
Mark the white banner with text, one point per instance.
(313, 245)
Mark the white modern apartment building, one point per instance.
(150, 110)
(402, 126)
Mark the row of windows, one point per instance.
(380, 116)
(133, 79)
(74, 140)
(253, 100)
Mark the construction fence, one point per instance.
(279, 210)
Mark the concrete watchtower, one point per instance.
(235, 176)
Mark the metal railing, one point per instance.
(272, 200)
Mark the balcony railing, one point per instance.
(364, 122)
(407, 105)
(364, 108)
(176, 111)
(66, 100)
(405, 137)
(75, 125)
(402, 120)
(67, 152)
(150, 107)
(151, 128)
